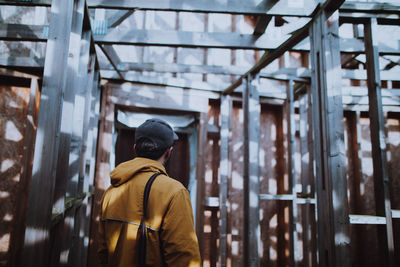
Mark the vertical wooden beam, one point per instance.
(308, 210)
(102, 170)
(200, 175)
(62, 232)
(81, 138)
(225, 167)
(91, 161)
(291, 128)
(36, 246)
(251, 186)
(328, 129)
(377, 126)
(17, 237)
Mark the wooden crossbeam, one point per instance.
(270, 7)
(366, 219)
(37, 33)
(113, 58)
(262, 24)
(119, 17)
(283, 7)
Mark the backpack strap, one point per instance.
(142, 231)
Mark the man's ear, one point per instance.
(134, 148)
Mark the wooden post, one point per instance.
(200, 176)
(251, 187)
(225, 169)
(328, 129)
(307, 181)
(36, 246)
(17, 237)
(291, 172)
(377, 126)
(62, 232)
(102, 170)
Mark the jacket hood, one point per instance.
(126, 170)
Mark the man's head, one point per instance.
(154, 139)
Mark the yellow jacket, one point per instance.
(171, 239)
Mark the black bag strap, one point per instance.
(142, 238)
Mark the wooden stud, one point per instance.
(200, 175)
(251, 187)
(328, 128)
(381, 179)
(291, 128)
(17, 237)
(225, 168)
(36, 247)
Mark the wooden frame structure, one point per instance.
(313, 98)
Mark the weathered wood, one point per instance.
(381, 179)
(283, 7)
(328, 129)
(200, 176)
(291, 129)
(114, 59)
(172, 82)
(17, 237)
(329, 6)
(251, 188)
(36, 247)
(63, 233)
(88, 187)
(262, 24)
(225, 168)
(186, 39)
(103, 168)
(119, 17)
(307, 181)
(160, 97)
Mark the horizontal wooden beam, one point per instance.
(162, 97)
(281, 8)
(157, 80)
(270, 7)
(188, 39)
(366, 219)
(38, 33)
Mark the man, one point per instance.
(171, 239)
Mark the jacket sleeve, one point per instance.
(178, 239)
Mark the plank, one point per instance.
(234, 7)
(63, 232)
(159, 80)
(251, 187)
(102, 169)
(225, 168)
(17, 237)
(113, 58)
(366, 219)
(139, 37)
(160, 97)
(328, 131)
(283, 7)
(200, 176)
(262, 24)
(119, 17)
(290, 137)
(381, 179)
(36, 246)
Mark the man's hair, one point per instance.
(146, 148)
